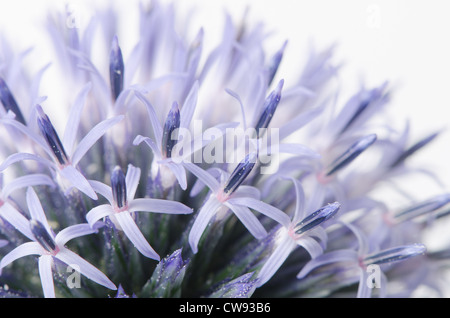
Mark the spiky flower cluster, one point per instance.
(187, 173)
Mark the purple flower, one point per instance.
(50, 246)
(232, 195)
(65, 156)
(122, 204)
(304, 230)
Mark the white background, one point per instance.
(404, 41)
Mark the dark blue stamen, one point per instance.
(116, 69)
(239, 174)
(170, 132)
(9, 102)
(270, 105)
(351, 153)
(410, 151)
(51, 137)
(374, 96)
(427, 206)
(317, 218)
(42, 236)
(395, 254)
(119, 187)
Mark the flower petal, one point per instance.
(158, 206)
(132, 180)
(282, 250)
(156, 125)
(98, 212)
(103, 189)
(249, 220)
(92, 136)
(87, 269)
(35, 208)
(73, 231)
(204, 176)
(179, 172)
(206, 213)
(29, 248)
(264, 208)
(77, 180)
(16, 219)
(26, 181)
(71, 130)
(45, 272)
(188, 108)
(311, 246)
(134, 234)
(329, 258)
(21, 156)
(151, 143)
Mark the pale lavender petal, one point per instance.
(99, 212)
(46, 275)
(151, 143)
(71, 130)
(134, 234)
(158, 206)
(249, 220)
(3, 243)
(20, 156)
(78, 181)
(238, 98)
(156, 124)
(349, 256)
(92, 136)
(206, 213)
(313, 248)
(103, 189)
(73, 231)
(132, 180)
(87, 269)
(26, 181)
(282, 250)
(188, 108)
(364, 291)
(30, 134)
(29, 248)
(179, 172)
(16, 219)
(245, 191)
(299, 213)
(35, 208)
(264, 208)
(203, 175)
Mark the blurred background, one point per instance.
(406, 42)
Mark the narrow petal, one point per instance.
(238, 98)
(150, 142)
(179, 172)
(156, 125)
(158, 206)
(188, 108)
(35, 208)
(249, 220)
(26, 181)
(132, 180)
(204, 176)
(245, 191)
(313, 248)
(45, 272)
(71, 130)
(21, 156)
(205, 214)
(98, 212)
(73, 231)
(92, 136)
(276, 259)
(87, 269)
(264, 208)
(103, 189)
(29, 248)
(134, 234)
(78, 181)
(363, 289)
(16, 219)
(349, 256)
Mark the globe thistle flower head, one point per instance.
(176, 168)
